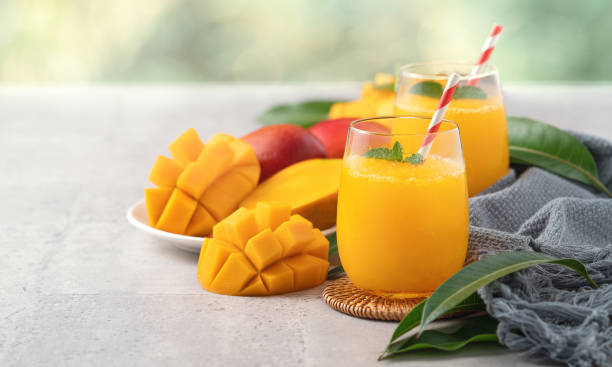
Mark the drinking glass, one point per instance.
(402, 228)
(477, 109)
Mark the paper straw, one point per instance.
(436, 120)
(487, 49)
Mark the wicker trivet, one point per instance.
(343, 296)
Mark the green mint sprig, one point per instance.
(427, 88)
(469, 92)
(415, 159)
(435, 90)
(395, 154)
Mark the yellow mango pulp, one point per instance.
(310, 187)
(263, 251)
(484, 134)
(373, 101)
(402, 228)
(201, 184)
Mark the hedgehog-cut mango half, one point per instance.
(263, 251)
(201, 184)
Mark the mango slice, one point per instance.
(373, 102)
(263, 251)
(201, 184)
(310, 187)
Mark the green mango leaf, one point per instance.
(482, 272)
(390, 86)
(536, 143)
(413, 319)
(435, 90)
(469, 92)
(333, 243)
(478, 329)
(303, 114)
(427, 88)
(335, 273)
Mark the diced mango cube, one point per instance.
(250, 172)
(201, 222)
(155, 200)
(319, 246)
(213, 255)
(195, 179)
(309, 270)
(243, 154)
(240, 226)
(204, 247)
(186, 147)
(220, 232)
(165, 172)
(272, 214)
(177, 213)
(223, 196)
(294, 234)
(220, 138)
(244, 258)
(217, 156)
(218, 175)
(234, 275)
(373, 102)
(278, 278)
(256, 287)
(384, 78)
(263, 249)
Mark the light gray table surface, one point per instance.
(80, 286)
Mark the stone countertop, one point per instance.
(80, 286)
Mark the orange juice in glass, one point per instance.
(402, 227)
(478, 110)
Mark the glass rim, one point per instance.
(352, 127)
(490, 70)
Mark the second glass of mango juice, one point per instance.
(402, 225)
(477, 109)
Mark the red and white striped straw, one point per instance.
(487, 49)
(436, 120)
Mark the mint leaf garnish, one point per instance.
(434, 90)
(415, 158)
(379, 153)
(427, 88)
(395, 154)
(469, 92)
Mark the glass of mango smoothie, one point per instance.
(477, 107)
(402, 221)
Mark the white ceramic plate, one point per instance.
(137, 216)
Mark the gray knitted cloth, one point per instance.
(550, 311)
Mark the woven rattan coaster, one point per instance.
(343, 296)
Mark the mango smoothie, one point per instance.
(477, 109)
(484, 134)
(402, 228)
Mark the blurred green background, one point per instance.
(151, 41)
